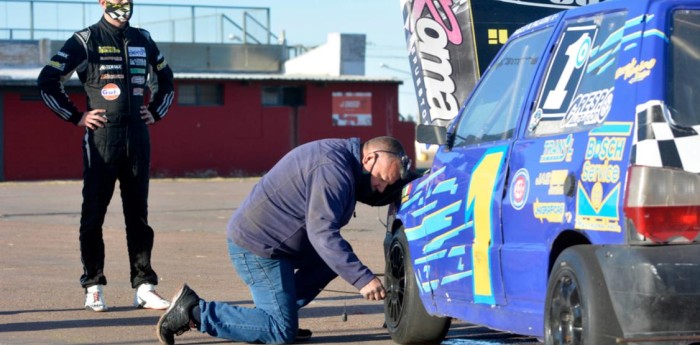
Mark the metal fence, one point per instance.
(57, 20)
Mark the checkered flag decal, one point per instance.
(122, 14)
(658, 144)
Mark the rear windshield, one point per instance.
(684, 70)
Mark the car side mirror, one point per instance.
(430, 134)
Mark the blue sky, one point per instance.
(305, 22)
(308, 22)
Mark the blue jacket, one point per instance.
(301, 204)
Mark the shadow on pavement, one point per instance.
(18, 312)
(80, 324)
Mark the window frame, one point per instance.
(516, 108)
(197, 94)
(677, 119)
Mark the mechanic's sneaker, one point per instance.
(146, 297)
(95, 299)
(177, 319)
(303, 335)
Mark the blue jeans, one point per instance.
(279, 287)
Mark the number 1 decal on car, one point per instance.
(565, 74)
(479, 209)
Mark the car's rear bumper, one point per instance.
(655, 291)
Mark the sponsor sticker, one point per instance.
(558, 150)
(519, 189)
(138, 79)
(110, 67)
(635, 71)
(554, 179)
(138, 62)
(57, 65)
(138, 71)
(111, 76)
(138, 91)
(111, 58)
(162, 65)
(589, 108)
(111, 92)
(62, 54)
(137, 52)
(606, 148)
(108, 50)
(553, 212)
(598, 210)
(406, 193)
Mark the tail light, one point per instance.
(663, 204)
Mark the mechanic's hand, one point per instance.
(93, 119)
(374, 290)
(146, 115)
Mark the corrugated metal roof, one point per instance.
(28, 76)
(285, 77)
(20, 76)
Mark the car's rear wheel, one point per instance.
(405, 316)
(578, 310)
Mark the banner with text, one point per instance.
(450, 43)
(352, 109)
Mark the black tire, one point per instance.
(578, 310)
(404, 314)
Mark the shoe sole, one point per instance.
(175, 299)
(141, 304)
(303, 337)
(88, 308)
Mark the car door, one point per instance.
(460, 234)
(569, 162)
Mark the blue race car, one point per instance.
(564, 199)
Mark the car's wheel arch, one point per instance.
(565, 240)
(573, 242)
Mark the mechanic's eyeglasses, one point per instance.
(405, 161)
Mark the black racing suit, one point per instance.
(114, 65)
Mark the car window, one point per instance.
(493, 110)
(684, 76)
(578, 87)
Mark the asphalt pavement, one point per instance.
(42, 301)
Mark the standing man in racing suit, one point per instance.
(113, 61)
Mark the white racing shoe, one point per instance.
(95, 299)
(146, 297)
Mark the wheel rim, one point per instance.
(396, 284)
(566, 312)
